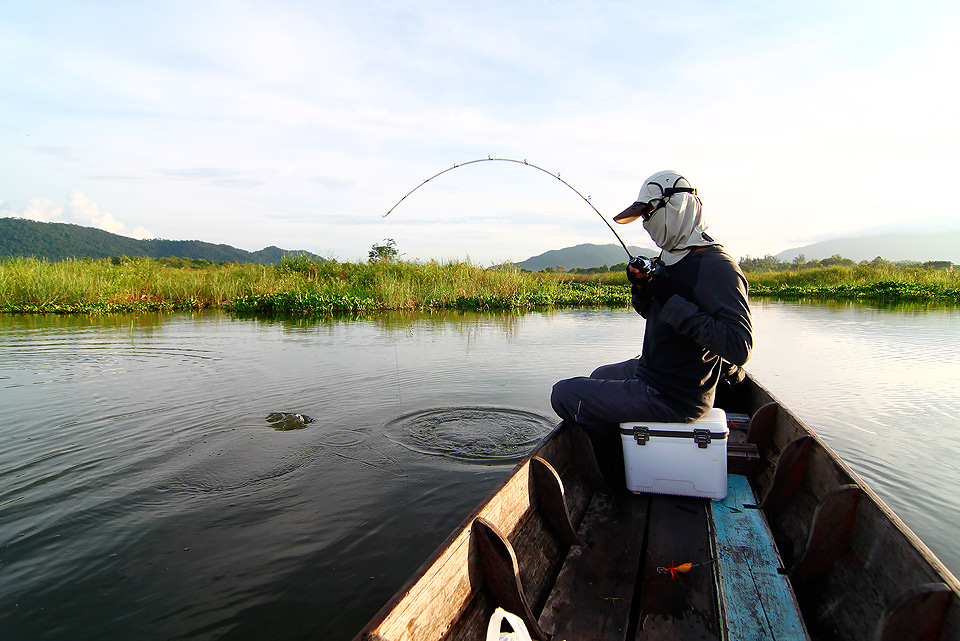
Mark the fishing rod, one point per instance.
(638, 261)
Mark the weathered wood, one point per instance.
(433, 600)
(759, 601)
(449, 600)
(551, 502)
(744, 459)
(539, 554)
(594, 593)
(917, 615)
(501, 574)
(830, 535)
(565, 453)
(884, 555)
(677, 605)
(788, 476)
(762, 425)
(584, 459)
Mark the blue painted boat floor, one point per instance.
(759, 602)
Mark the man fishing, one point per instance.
(698, 328)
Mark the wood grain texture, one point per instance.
(762, 425)
(830, 535)
(873, 586)
(759, 601)
(551, 501)
(916, 615)
(683, 605)
(593, 595)
(501, 574)
(788, 476)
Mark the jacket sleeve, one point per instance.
(640, 301)
(721, 321)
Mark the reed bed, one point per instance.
(881, 283)
(29, 285)
(92, 286)
(303, 286)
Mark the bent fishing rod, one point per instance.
(638, 261)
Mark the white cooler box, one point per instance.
(689, 459)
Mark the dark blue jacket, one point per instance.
(693, 338)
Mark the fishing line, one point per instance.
(396, 356)
(396, 349)
(518, 162)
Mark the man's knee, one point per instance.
(560, 397)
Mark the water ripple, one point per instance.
(469, 434)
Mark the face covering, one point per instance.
(677, 227)
(676, 224)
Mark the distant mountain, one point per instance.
(583, 256)
(943, 245)
(59, 241)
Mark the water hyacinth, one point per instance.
(304, 286)
(879, 283)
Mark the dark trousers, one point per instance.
(611, 395)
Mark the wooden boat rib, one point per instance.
(576, 559)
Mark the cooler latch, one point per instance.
(641, 434)
(702, 438)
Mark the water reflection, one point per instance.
(880, 385)
(143, 494)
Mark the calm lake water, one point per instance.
(145, 494)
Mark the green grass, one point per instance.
(303, 286)
(881, 283)
(298, 285)
(99, 286)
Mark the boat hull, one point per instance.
(855, 570)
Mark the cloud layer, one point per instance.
(79, 210)
(299, 125)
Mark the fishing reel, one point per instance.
(650, 266)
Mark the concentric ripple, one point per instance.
(470, 434)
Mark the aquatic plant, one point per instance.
(882, 282)
(302, 285)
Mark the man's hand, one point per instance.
(636, 277)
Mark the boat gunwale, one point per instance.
(404, 590)
(911, 537)
(787, 426)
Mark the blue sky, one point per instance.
(299, 124)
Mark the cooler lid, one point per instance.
(633, 428)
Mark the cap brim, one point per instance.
(631, 213)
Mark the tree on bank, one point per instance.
(385, 251)
(773, 264)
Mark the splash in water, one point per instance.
(471, 434)
(284, 421)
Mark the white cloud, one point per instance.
(39, 209)
(79, 210)
(299, 125)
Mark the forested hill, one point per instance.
(581, 256)
(59, 241)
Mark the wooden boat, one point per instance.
(818, 556)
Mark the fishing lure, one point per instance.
(683, 568)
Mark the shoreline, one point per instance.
(303, 287)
